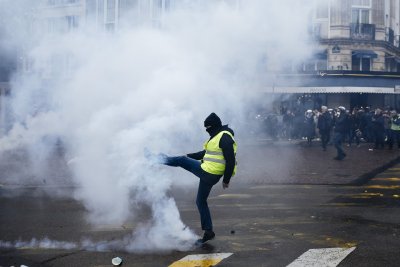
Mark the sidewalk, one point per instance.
(293, 162)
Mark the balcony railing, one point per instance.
(362, 31)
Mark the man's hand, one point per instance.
(225, 185)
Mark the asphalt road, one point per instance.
(262, 225)
(265, 223)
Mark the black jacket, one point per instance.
(226, 144)
(378, 123)
(324, 122)
(341, 123)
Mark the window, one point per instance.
(360, 27)
(126, 10)
(91, 7)
(157, 8)
(391, 63)
(167, 5)
(100, 13)
(56, 25)
(127, 4)
(158, 3)
(157, 12)
(361, 64)
(360, 15)
(322, 9)
(110, 11)
(72, 22)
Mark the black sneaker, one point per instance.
(208, 235)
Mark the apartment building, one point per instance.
(66, 15)
(357, 62)
(358, 58)
(358, 35)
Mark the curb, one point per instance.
(364, 178)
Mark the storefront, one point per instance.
(333, 89)
(349, 97)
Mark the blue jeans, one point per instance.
(207, 181)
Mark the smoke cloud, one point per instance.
(145, 87)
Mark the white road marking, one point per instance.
(201, 260)
(324, 257)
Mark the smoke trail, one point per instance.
(145, 87)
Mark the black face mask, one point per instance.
(212, 130)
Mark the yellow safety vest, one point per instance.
(213, 161)
(394, 126)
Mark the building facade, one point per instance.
(357, 62)
(358, 58)
(358, 35)
(59, 17)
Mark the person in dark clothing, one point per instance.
(348, 127)
(355, 126)
(217, 159)
(272, 126)
(309, 126)
(367, 125)
(288, 124)
(324, 125)
(394, 133)
(297, 123)
(378, 129)
(339, 132)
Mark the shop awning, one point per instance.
(364, 54)
(328, 89)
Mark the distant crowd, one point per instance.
(378, 126)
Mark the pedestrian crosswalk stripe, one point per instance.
(325, 257)
(391, 179)
(201, 260)
(383, 186)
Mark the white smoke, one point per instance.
(143, 87)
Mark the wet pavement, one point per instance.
(294, 162)
(286, 200)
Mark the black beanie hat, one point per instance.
(213, 120)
